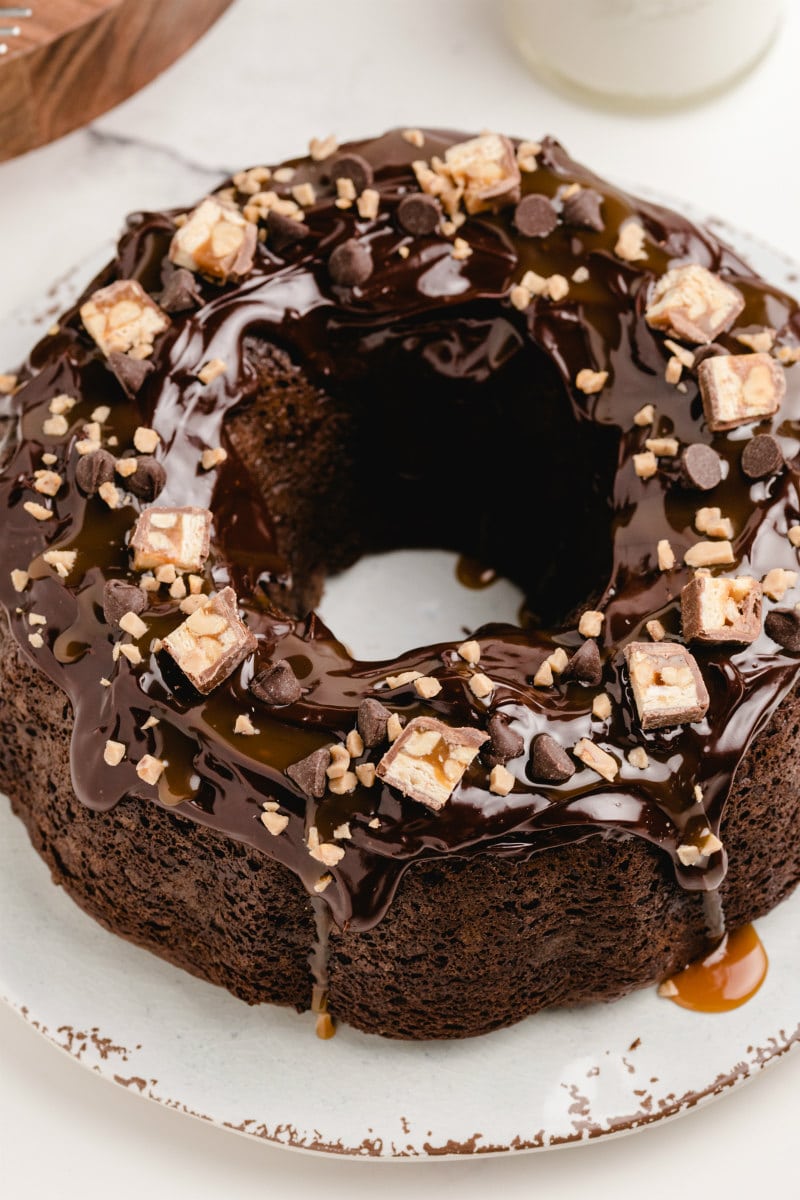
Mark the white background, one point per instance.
(266, 78)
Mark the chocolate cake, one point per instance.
(424, 339)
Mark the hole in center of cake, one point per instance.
(387, 603)
(447, 440)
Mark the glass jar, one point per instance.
(643, 53)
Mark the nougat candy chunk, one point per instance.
(693, 303)
(738, 388)
(428, 759)
(721, 610)
(179, 536)
(123, 319)
(668, 688)
(211, 642)
(216, 241)
(486, 167)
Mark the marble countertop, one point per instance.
(267, 77)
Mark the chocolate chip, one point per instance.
(93, 470)
(535, 216)
(120, 597)
(148, 479)
(372, 718)
(783, 626)
(506, 743)
(585, 664)
(131, 372)
(350, 263)
(180, 292)
(418, 214)
(701, 467)
(283, 232)
(712, 350)
(550, 762)
(309, 773)
(762, 456)
(584, 209)
(353, 167)
(277, 685)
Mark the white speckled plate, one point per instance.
(556, 1079)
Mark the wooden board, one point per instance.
(77, 58)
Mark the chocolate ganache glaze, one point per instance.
(456, 379)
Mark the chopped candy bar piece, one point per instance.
(692, 303)
(215, 241)
(123, 318)
(721, 610)
(738, 388)
(175, 536)
(667, 685)
(209, 645)
(429, 759)
(486, 168)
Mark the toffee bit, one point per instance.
(114, 753)
(211, 370)
(590, 624)
(501, 781)
(150, 769)
(630, 242)
(243, 725)
(145, 440)
(645, 464)
(276, 823)
(481, 685)
(589, 382)
(470, 652)
(38, 511)
(777, 582)
(597, 759)
(213, 458)
(665, 555)
(365, 773)
(709, 554)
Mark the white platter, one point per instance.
(559, 1078)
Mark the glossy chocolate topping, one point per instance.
(446, 319)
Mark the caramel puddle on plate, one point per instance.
(725, 978)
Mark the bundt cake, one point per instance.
(423, 339)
